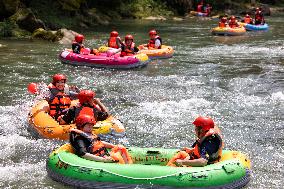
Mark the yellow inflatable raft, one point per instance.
(45, 126)
(164, 52)
(228, 31)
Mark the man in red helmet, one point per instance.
(223, 22)
(114, 40)
(89, 146)
(233, 23)
(77, 44)
(60, 95)
(259, 18)
(128, 48)
(87, 105)
(155, 41)
(207, 148)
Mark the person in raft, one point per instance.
(128, 48)
(89, 146)
(87, 105)
(60, 95)
(233, 23)
(223, 22)
(114, 40)
(206, 150)
(77, 45)
(259, 18)
(248, 19)
(155, 41)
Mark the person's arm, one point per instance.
(157, 43)
(200, 162)
(101, 105)
(108, 145)
(92, 157)
(68, 117)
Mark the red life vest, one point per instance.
(199, 8)
(247, 20)
(112, 42)
(151, 42)
(233, 24)
(222, 24)
(60, 100)
(128, 50)
(258, 16)
(196, 148)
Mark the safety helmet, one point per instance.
(84, 119)
(128, 37)
(85, 96)
(223, 19)
(152, 32)
(58, 77)
(233, 18)
(114, 34)
(205, 122)
(79, 38)
(247, 16)
(257, 9)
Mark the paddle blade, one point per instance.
(32, 88)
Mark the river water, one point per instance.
(238, 81)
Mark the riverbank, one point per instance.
(44, 19)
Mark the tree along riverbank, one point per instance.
(44, 19)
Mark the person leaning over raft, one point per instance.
(206, 150)
(60, 96)
(128, 48)
(87, 105)
(89, 146)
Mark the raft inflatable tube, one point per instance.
(228, 31)
(148, 170)
(45, 126)
(103, 60)
(164, 52)
(260, 27)
(195, 13)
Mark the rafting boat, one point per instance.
(259, 27)
(228, 31)
(148, 169)
(46, 127)
(164, 52)
(103, 60)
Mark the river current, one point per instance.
(238, 81)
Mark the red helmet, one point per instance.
(84, 119)
(85, 96)
(114, 34)
(129, 37)
(58, 77)
(233, 18)
(247, 16)
(79, 38)
(205, 122)
(224, 19)
(152, 32)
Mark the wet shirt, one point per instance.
(80, 144)
(209, 146)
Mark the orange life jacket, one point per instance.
(128, 50)
(215, 156)
(233, 24)
(222, 24)
(112, 42)
(60, 100)
(247, 20)
(151, 42)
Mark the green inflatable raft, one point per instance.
(148, 171)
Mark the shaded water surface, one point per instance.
(236, 80)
